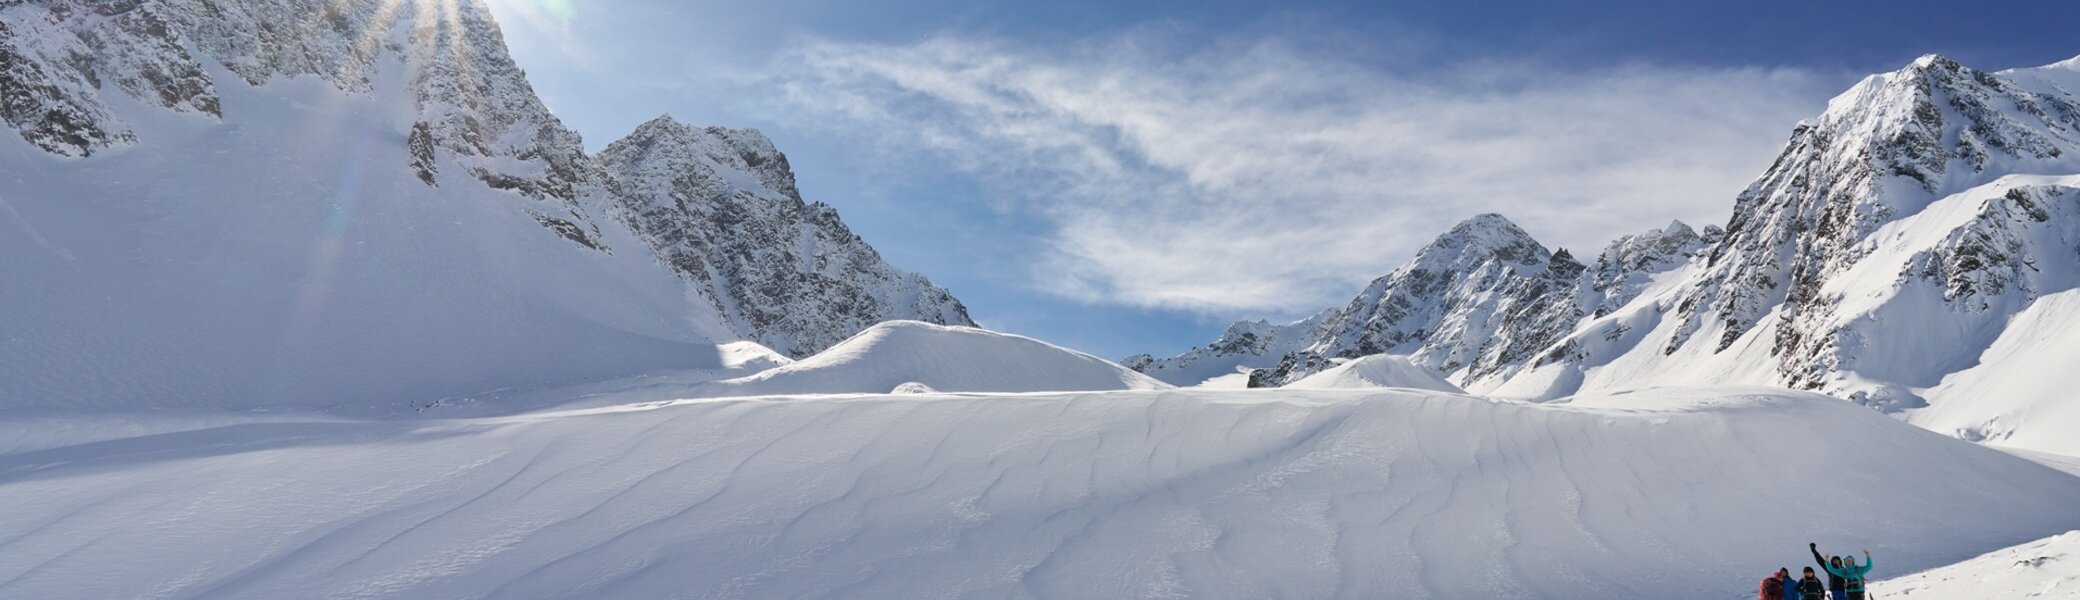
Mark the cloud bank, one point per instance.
(1259, 177)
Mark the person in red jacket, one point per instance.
(1773, 586)
(1779, 586)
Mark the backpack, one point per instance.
(1814, 591)
(1773, 588)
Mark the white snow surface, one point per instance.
(909, 354)
(2046, 568)
(1163, 493)
(1377, 371)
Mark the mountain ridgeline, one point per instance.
(1892, 243)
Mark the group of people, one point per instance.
(1844, 580)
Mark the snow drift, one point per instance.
(1377, 371)
(1172, 493)
(915, 355)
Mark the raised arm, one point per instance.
(1817, 558)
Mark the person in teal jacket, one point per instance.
(1852, 574)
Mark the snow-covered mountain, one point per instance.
(1480, 296)
(1912, 249)
(229, 202)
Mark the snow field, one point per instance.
(1170, 493)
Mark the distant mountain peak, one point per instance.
(1935, 61)
(1479, 238)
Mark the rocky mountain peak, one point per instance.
(743, 150)
(1483, 237)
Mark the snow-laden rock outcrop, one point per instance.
(720, 206)
(364, 201)
(918, 357)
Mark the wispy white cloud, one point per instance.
(1254, 176)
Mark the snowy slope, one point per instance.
(2020, 393)
(2046, 568)
(1245, 494)
(942, 358)
(1377, 371)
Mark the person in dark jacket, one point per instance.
(1810, 587)
(1790, 583)
(1836, 586)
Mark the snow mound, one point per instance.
(2046, 568)
(939, 358)
(1171, 493)
(912, 387)
(750, 356)
(1377, 371)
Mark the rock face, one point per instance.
(1926, 214)
(720, 206)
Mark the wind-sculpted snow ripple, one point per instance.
(1168, 493)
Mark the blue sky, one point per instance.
(1129, 177)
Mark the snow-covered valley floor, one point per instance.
(1692, 493)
